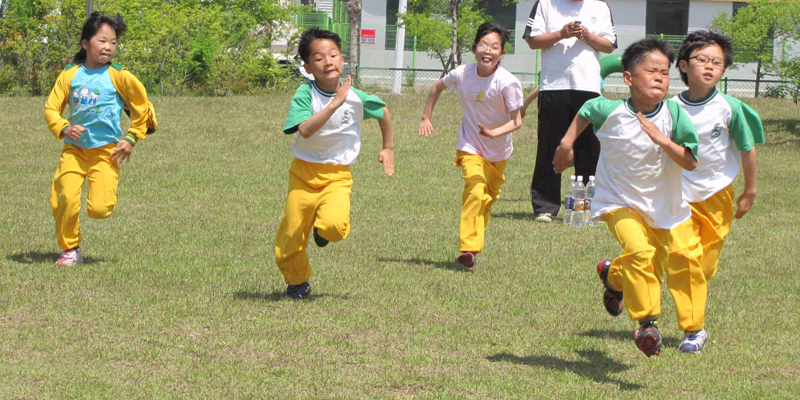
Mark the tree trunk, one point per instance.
(758, 76)
(454, 33)
(353, 8)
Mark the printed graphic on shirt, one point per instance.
(85, 100)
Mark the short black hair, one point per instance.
(636, 52)
(310, 35)
(699, 39)
(490, 27)
(93, 24)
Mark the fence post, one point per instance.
(726, 86)
(414, 54)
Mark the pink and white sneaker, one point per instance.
(70, 258)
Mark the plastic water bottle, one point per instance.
(568, 201)
(587, 203)
(578, 197)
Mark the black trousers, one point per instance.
(557, 108)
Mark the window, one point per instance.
(391, 27)
(503, 13)
(667, 17)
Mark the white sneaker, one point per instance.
(544, 217)
(70, 258)
(693, 342)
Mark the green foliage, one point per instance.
(208, 47)
(430, 22)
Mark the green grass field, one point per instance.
(179, 296)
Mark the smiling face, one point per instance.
(488, 53)
(100, 48)
(649, 79)
(705, 67)
(325, 62)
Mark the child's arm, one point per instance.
(386, 155)
(513, 124)
(528, 100)
(679, 154)
(56, 102)
(564, 155)
(314, 123)
(749, 166)
(426, 126)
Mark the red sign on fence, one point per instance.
(368, 36)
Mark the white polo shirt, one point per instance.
(571, 64)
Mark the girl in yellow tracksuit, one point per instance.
(97, 91)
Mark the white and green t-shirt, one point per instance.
(339, 140)
(488, 100)
(726, 127)
(633, 171)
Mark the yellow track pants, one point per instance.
(482, 182)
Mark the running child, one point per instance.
(94, 144)
(491, 99)
(325, 114)
(645, 144)
(728, 131)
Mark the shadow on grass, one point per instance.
(775, 125)
(36, 257)
(451, 265)
(597, 366)
(527, 216)
(278, 296)
(627, 336)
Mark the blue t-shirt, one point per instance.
(95, 104)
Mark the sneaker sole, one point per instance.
(613, 303)
(649, 344)
(467, 260)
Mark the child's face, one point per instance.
(325, 61)
(705, 66)
(649, 80)
(489, 51)
(101, 47)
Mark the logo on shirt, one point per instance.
(85, 99)
(347, 117)
(594, 20)
(479, 96)
(717, 130)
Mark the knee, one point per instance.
(102, 212)
(643, 256)
(335, 231)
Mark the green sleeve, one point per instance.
(684, 132)
(373, 105)
(597, 110)
(299, 109)
(746, 127)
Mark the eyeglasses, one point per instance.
(484, 47)
(705, 60)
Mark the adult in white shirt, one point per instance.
(570, 34)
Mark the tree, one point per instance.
(444, 28)
(353, 8)
(755, 29)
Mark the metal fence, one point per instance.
(421, 80)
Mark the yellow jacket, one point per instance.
(133, 93)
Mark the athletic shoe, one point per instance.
(467, 259)
(612, 299)
(693, 342)
(70, 258)
(319, 240)
(544, 217)
(648, 338)
(298, 292)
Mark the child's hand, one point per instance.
(652, 130)
(563, 158)
(743, 204)
(122, 152)
(342, 91)
(74, 132)
(485, 132)
(386, 157)
(425, 127)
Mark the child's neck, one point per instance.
(698, 93)
(88, 64)
(484, 74)
(645, 107)
(329, 86)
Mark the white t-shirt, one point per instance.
(726, 127)
(571, 64)
(488, 100)
(339, 140)
(632, 171)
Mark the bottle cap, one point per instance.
(580, 177)
(591, 177)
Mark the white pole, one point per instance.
(399, 48)
(89, 8)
